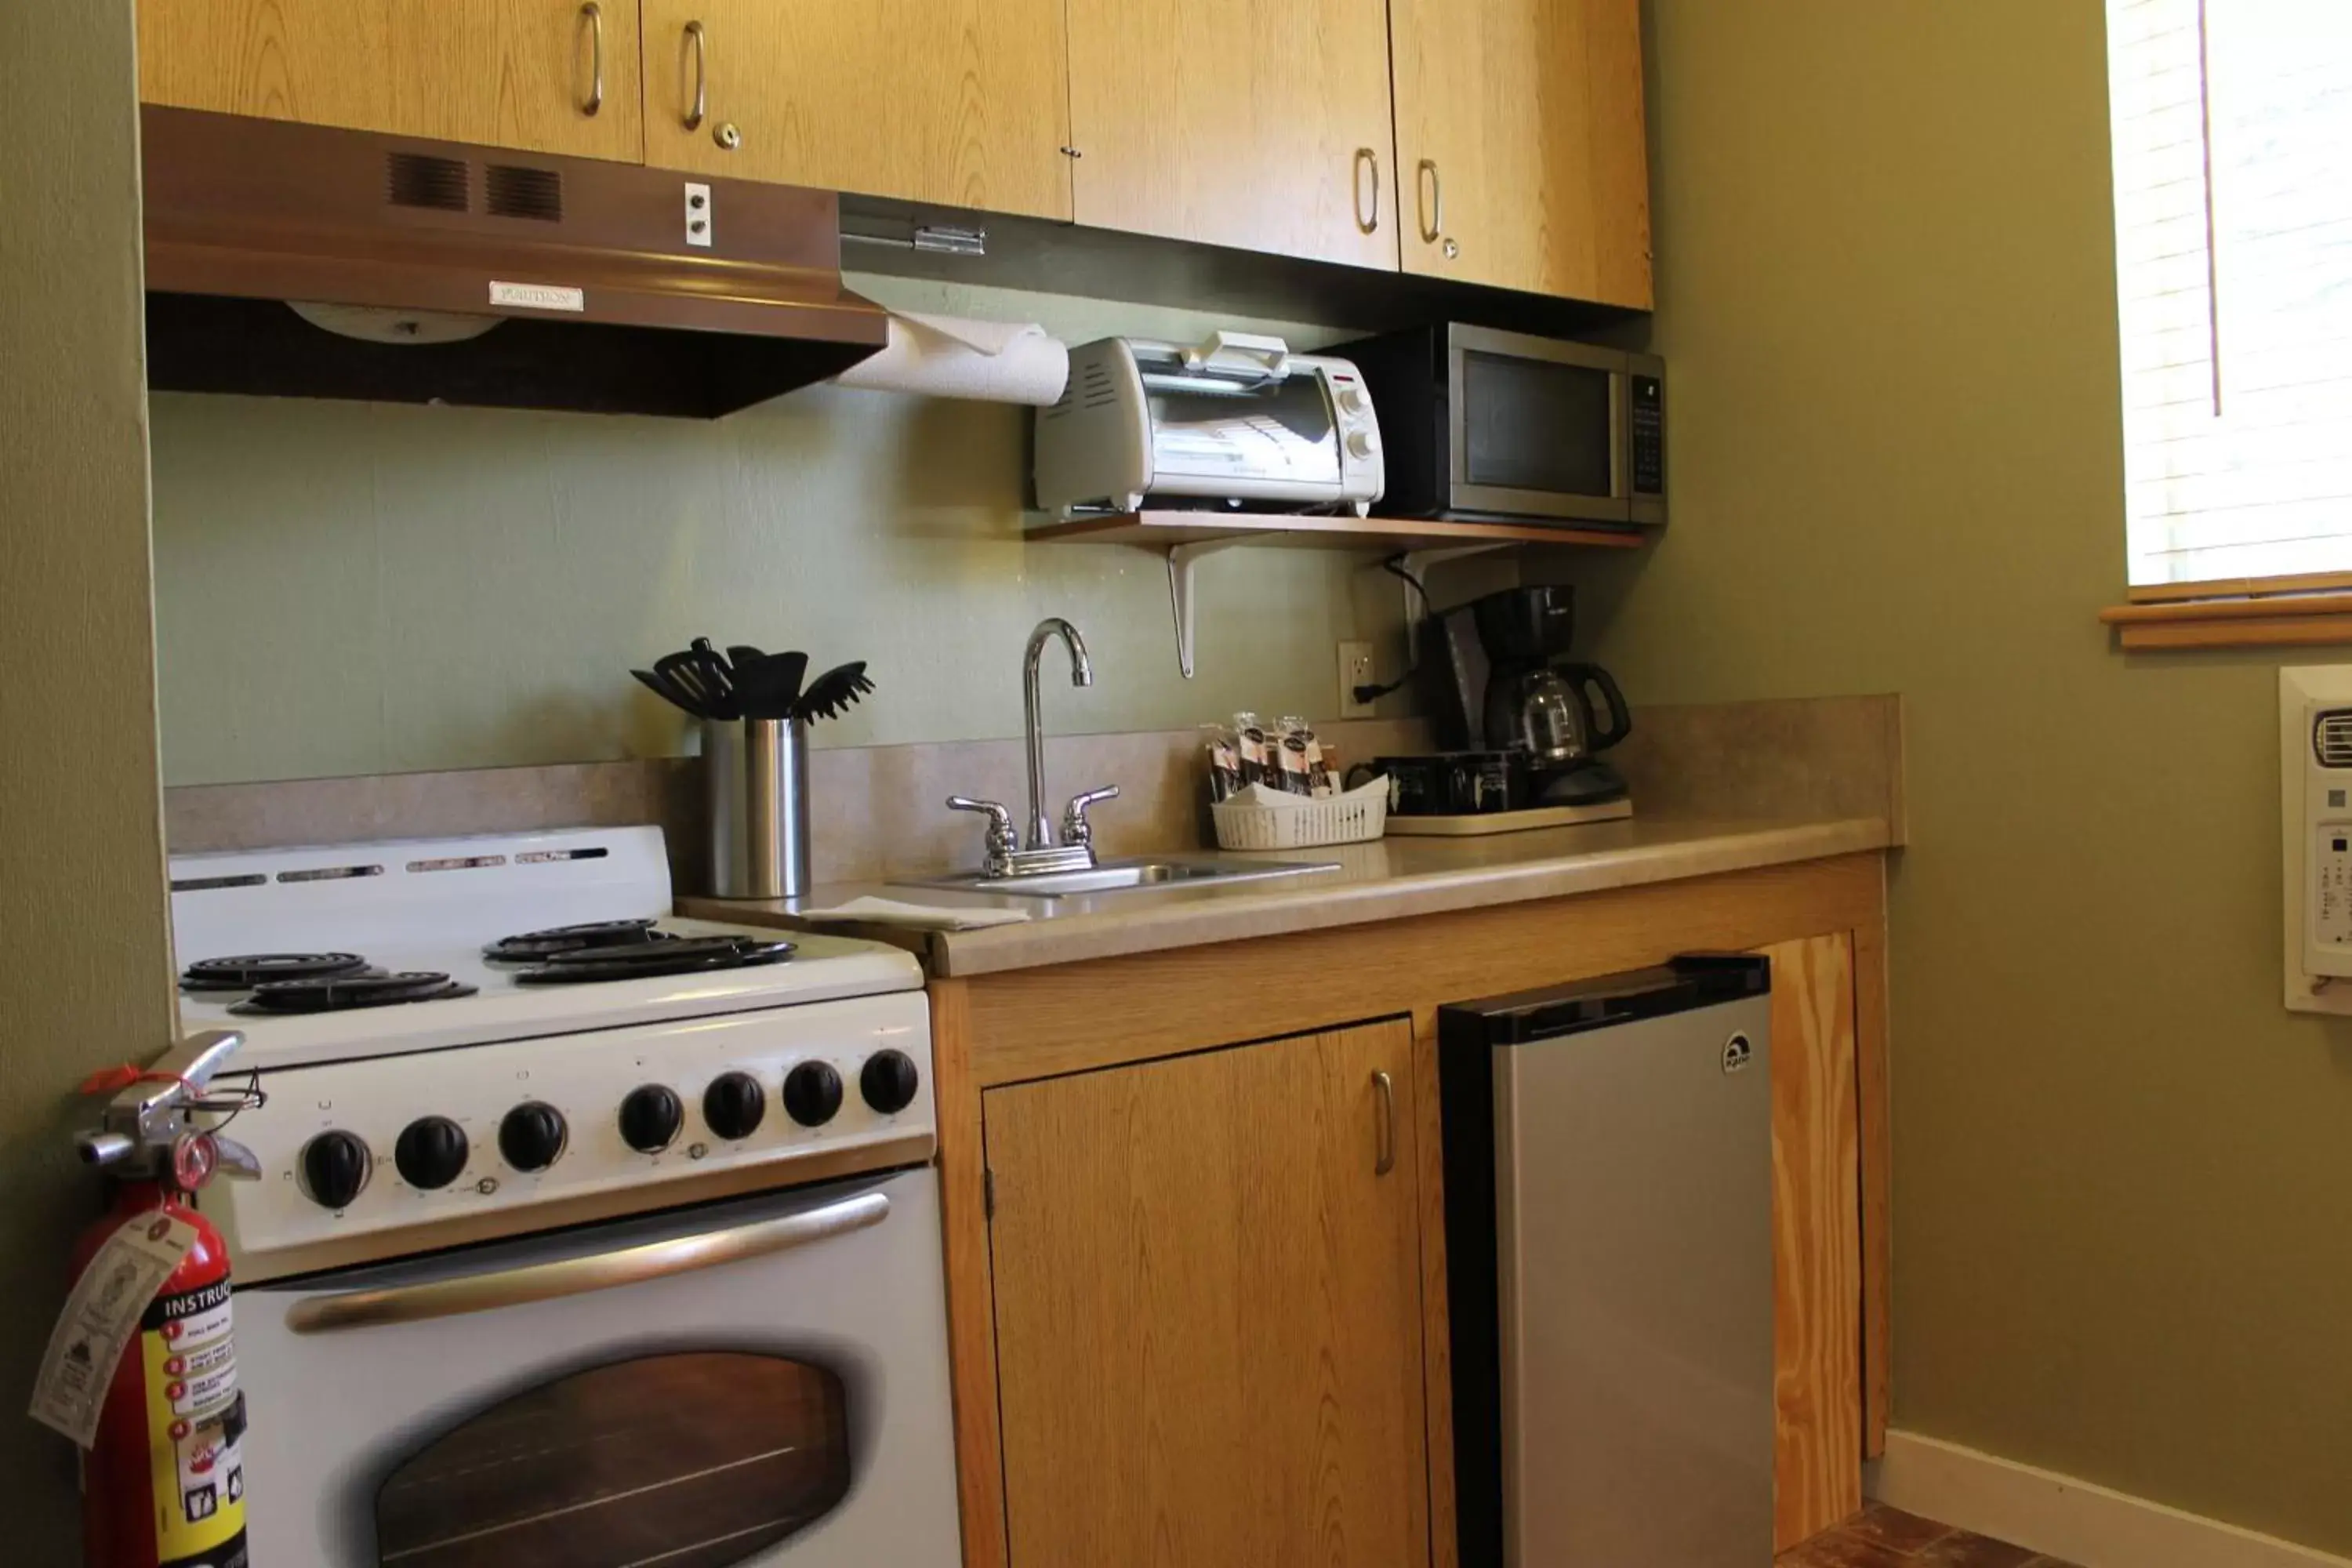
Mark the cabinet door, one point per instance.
(501, 73)
(1521, 154)
(1208, 1309)
(1816, 1240)
(1262, 124)
(960, 103)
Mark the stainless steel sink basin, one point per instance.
(1127, 876)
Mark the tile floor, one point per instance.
(1882, 1537)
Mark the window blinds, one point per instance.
(2233, 123)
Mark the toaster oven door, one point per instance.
(1537, 427)
(1212, 436)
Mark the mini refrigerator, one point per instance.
(1609, 1261)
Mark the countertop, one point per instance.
(1390, 878)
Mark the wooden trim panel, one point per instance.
(2238, 587)
(1817, 1244)
(1874, 1107)
(971, 1315)
(2263, 620)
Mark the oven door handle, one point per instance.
(578, 1276)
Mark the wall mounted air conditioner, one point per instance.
(2316, 835)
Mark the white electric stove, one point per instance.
(584, 1233)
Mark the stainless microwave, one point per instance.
(1480, 424)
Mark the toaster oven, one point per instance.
(1238, 421)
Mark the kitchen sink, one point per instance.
(1128, 876)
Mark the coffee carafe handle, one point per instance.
(1583, 677)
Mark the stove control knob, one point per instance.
(888, 1081)
(532, 1135)
(335, 1169)
(431, 1153)
(650, 1118)
(813, 1093)
(734, 1105)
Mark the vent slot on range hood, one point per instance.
(605, 307)
(515, 192)
(417, 181)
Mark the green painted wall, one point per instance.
(347, 588)
(2123, 1173)
(81, 840)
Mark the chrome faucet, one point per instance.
(1005, 856)
(1082, 674)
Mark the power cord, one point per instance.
(1394, 567)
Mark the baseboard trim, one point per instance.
(2066, 1518)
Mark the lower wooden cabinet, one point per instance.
(1197, 1299)
(1208, 1307)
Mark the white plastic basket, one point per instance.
(1360, 814)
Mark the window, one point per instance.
(2233, 122)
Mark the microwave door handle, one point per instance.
(578, 1276)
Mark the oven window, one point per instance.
(1536, 426)
(688, 1461)
(1282, 432)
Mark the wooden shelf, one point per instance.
(1343, 533)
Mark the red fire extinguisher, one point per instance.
(163, 1477)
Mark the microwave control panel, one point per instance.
(1649, 403)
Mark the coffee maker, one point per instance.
(1506, 684)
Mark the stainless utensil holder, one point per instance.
(757, 774)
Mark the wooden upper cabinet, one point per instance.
(959, 102)
(1208, 1309)
(500, 73)
(1522, 156)
(1262, 124)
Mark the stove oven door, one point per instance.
(763, 1380)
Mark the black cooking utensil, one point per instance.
(742, 654)
(769, 686)
(686, 671)
(833, 692)
(718, 677)
(667, 692)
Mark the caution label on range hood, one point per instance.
(537, 296)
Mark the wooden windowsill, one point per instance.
(2260, 615)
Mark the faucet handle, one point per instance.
(1004, 838)
(1075, 829)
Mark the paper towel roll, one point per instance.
(951, 357)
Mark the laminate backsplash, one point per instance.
(350, 588)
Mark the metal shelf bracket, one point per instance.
(1181, 559)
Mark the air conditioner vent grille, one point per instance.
(2331, 738)
(417, 180)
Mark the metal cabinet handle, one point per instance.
(578, 1276)
(1387, 1160)
(694, 116)
(594, 14)
(1432, 212)
(1367, 158)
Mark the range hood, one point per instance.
(447, 273)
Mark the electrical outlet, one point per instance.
(1355, 670)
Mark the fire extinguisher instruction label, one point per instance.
(105, 1309)
(196, 1426)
